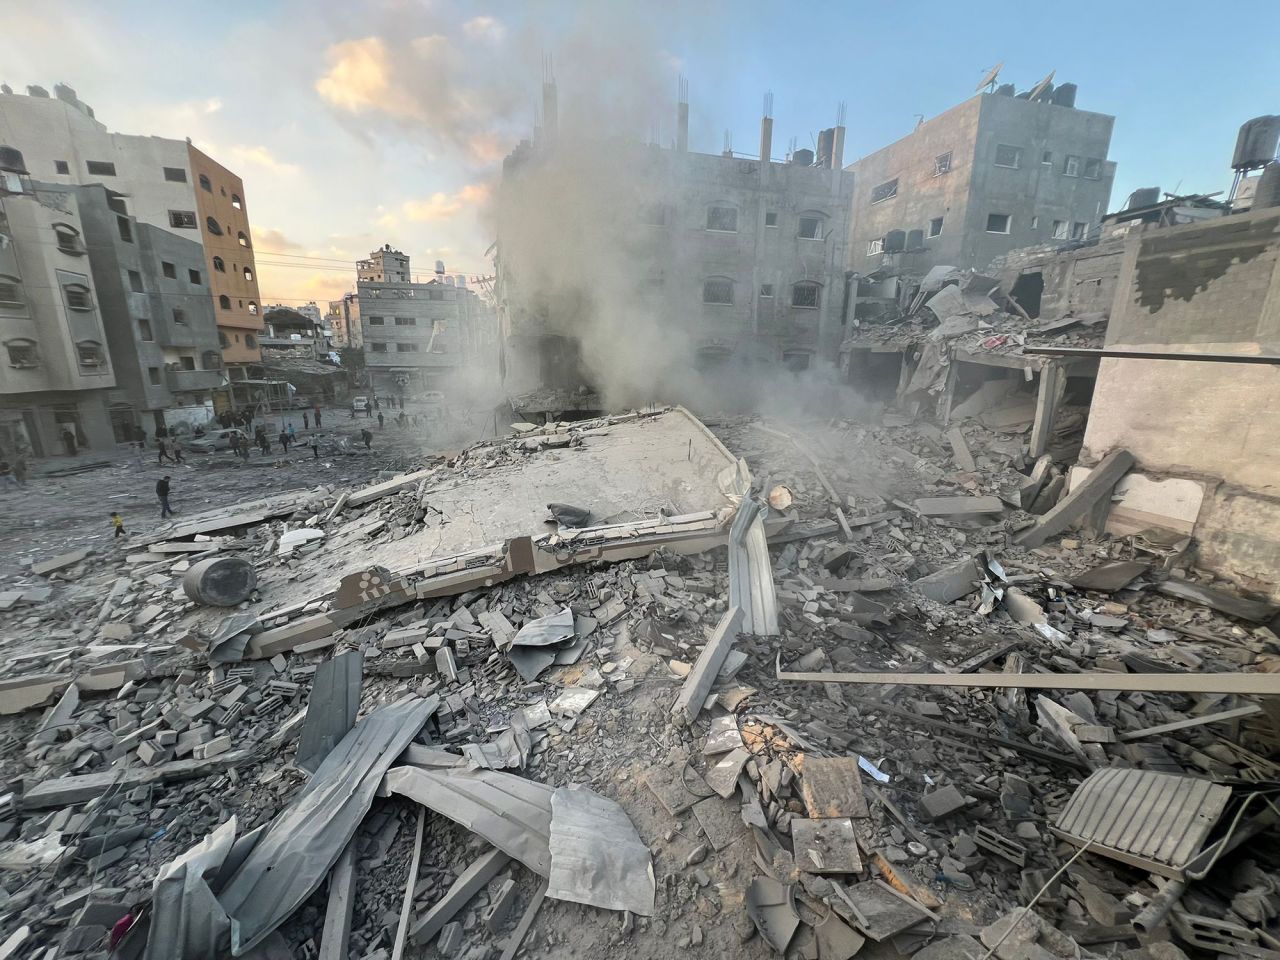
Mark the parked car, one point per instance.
(216, 440)
(357, 403)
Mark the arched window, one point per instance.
(219, 265)
(89, 353)
(77, 296)
(248, 274)
(206, 183)
(253, 307)
(213, 226)
(68, 239)
(243, 238)
(806, 294)
(23, 353)
(722, 218)
(250, 340)
(144, 329)
(10, 291)
(223, 342)
(809, 226)
(717, 290)
(224, 302)
(237, 202)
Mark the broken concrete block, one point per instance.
(959, 506)
(445, 665)
(450, 940)
(940, 803)
(46, 567)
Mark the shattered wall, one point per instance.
(1204, 288)
(1078, 282)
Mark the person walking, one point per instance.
(367, 437)
(20, 470)
(117, 521)
(368, 410)
(284, 441)
(175, 451)
(380, 420)
(315, 446)
(316, 410)
(293, 436)
(162, 491)
(376, 404)
(234, 440)
(163, 447)
(306, 420)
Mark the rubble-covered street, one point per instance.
(432, 721)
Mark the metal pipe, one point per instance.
(1109, 353)
(1158, 908)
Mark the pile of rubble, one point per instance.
(845, 691)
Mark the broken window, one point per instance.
(61, 166)
(1071, 167)
(1047, 157)
(10, 291)
(915, 239)
(654, 214)
(135, 281)
(406, 321)
(182, 219)
(89, 353)
(250, 340)
(771, 218)
(116, 202)
(219, 265)
(942, 164)
(766, 289)
(68, 239)
(144, 329)
(23, 353)
(243, 238)
(100, 168)
(169, 270)
(253, 307)
(375, 321)
(179, 316)
(717, 290)
(1059, 229)
(211, 360)
(1092, 169)
(998, 222)
(223, 342)
(377, 348)
(78, 296)
(213, 226)
(797, 360)
(935, 227)
(248, 274)
(805, 294)
(224, 302)
(1078, 230)
(886, 191)
(237, 202)
(175, 174)
(406, 348)
(875, 247)
(125, 228)
(194, 276)
(153, 374)
(723, 219)
(205, 183)
(1007, 156)
(810, 228)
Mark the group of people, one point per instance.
(376, 405)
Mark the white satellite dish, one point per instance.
(989, 80)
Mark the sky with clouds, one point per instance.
(385, 121)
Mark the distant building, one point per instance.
(166, 183)
(290, 331)
(624, 268)
(343, 320)
(992, 174)
(414, 335)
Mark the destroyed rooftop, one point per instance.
(643, 686)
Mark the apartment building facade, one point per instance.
(995, 173)
(163, 182)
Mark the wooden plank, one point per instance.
(1248, 684)
(526, 921)
(1187, 722)
(335, 939)
(1100, 482)
(468, 884)
(406, 908)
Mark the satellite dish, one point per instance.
(990, 79)
(1040, 87)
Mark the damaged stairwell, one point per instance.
(430, 721)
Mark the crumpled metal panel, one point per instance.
(751, 572)
(187, 922)
(331, 708)
(1154, 821)
(295, 853)
(597, 858)
(512, 813)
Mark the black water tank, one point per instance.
(11, 160)
(1065, 95)
(1257, 143)
(895, 241)
(1142, 197)
(803, 157)
(1005, 90)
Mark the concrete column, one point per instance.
(1053, 383)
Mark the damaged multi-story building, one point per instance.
(622, 266)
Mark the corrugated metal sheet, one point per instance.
(1155, 821)
(597, 858)
(300, 845)
(331, 708)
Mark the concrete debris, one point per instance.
(219, 763)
